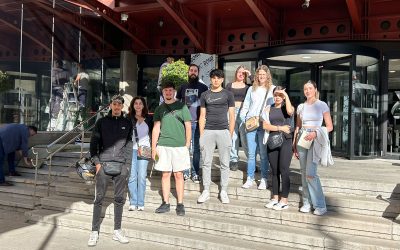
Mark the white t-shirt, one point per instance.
(143, 135)
(312, 115)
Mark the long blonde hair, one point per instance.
(256, 83)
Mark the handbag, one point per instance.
(275, 140)
(302, 142)
(253, 122)
(112, 168)
(144, 152)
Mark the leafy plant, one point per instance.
(5, 82)
(176, 72)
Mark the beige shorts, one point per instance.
(173, 159)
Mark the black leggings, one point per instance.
(279, 160)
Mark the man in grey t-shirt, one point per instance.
(216, 130)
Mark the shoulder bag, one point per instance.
(112, 168)
(254, 122)
(143, 151)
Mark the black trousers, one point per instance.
(279, 160)
(120, 189)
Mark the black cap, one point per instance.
(117, 98)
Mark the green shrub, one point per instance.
(176, 72)
(5, 82)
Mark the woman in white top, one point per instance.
(310, 116)
(143, 124)
(258, 96)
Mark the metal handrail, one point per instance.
(52, 153)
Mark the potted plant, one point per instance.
(177, 72)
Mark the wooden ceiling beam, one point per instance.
(260, 10)
(134, 8)
(353, 7)
(129, 27)
(176, 11)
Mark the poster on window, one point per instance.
(206, 63)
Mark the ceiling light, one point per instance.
(124, 17)
(306, 4)
(392, 71)
(306, 57)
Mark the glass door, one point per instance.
(334, 77)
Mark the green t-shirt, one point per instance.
(172, 130)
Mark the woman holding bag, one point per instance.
(142, 127)
(310, 116)
(258, 96)
(278, 122)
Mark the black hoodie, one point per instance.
(112, 140)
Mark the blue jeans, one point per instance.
(137, 180)
(194, 150)
(254, 143)
(10, 161)
(312, 187)
(238, 133)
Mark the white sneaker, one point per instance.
(249, 183)
(140, 208)
(305, 208)
(280, 206)
(120, 236)
(93, 238)
(320, 211)
(271, 203)
(205, 196)
(224, 197)
(263, 184)
(132, 208)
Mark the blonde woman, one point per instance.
(257, 98)
(310, 116)
(239, 89)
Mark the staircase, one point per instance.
(356, 218)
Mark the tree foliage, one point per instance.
(5, 82)
(176, 72)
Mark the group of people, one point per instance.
(195, 120)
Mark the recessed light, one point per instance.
(306, 57)
(392, 71)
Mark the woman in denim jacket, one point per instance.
(310, 116)
(252, 105)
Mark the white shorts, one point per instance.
(173, 159)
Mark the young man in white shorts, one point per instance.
(170, 145)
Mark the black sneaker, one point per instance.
(234, 166)
(180, 209)
(14, 174)
(196, 179)
(163, 208)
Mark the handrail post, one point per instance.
(49, 176)
(82, 139)
(35, 164)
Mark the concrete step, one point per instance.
(183, 239)
(249, 211)
(336, 202)
(18, 202)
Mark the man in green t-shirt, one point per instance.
(170, 145)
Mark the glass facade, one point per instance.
(48, 46)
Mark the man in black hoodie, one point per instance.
(111, 142)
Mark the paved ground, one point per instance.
(15, 234)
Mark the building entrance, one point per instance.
(348, 83)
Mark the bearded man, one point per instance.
(190, 95)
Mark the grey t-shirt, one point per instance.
(217, 105)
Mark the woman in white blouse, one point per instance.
(143, 124)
